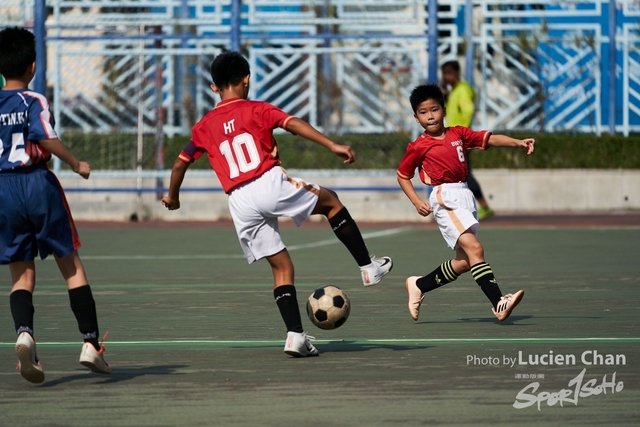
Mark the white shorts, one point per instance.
(454, 209)
(256, 206)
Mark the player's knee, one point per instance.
(328, 203)
(476, 250)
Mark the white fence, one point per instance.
(141, 67)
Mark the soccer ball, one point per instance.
(328, 307)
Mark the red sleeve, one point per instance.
(474, 139)
(190, 153)
(410, 161)
(274, 117)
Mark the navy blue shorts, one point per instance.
(34, 217)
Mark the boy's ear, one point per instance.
(31, 69)
(415, 116)
(245, 80)
(215, 88)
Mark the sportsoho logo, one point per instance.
(577, 388)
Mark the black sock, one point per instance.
(84, 308)
(21, 303)
(348, 233)
(483, 275)
(285, 297)
(438, 277)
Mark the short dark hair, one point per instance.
(423, 92)
(17, 51)
(228, 69)
(453, 64)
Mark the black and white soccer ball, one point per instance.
(328, 307)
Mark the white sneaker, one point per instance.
(506, 305)
(94, 359)
(374, 272)
(415, 296)
(298, 345)
(29, 365)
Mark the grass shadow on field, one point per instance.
(117, 375)
(510, 321)
(356, 346)
(349, 346)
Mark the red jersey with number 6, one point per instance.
(442, 161)
(237, 136)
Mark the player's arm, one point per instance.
(506, 141)
(56, 147)
(190, 153)
(172, 200)
(305, 130)
(423, 207)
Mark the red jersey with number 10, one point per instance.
(237, 136)
(442, 161)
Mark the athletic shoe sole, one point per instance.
(30, 372)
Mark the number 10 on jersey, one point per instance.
(241, 154)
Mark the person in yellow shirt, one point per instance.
(460, 107)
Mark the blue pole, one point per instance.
(40, 32)
(612, 67)
(468, 36)
(182, 71)
(432, 35)
(236, 21)
(326, 72)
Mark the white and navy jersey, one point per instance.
(25, 119)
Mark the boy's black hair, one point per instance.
(17, 51)
(453, 64)
(228, 69)
(423, 92)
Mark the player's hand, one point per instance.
(423, 208)
(527, 144)
(345, 152)
(171, 204)
(83, 169)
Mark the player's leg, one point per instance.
(480, 269)
(83, 307)
(255, 210)
(284, 292)
(23, 276)
(56, 234)
(346, 230)
(484, 277)
(18, 249)
(453, 208)
(417, 286)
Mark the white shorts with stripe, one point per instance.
(256, 206)
(454, 209)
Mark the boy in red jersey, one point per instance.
(440, 154)
(237, 136)
(34, 215)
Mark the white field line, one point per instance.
(354, 341)
(333, 241)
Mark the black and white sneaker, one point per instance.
(374, 272)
